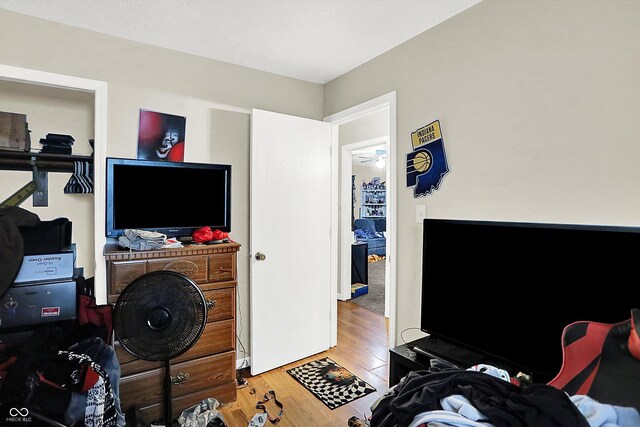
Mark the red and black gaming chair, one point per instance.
(602, 361)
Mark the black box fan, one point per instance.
(159, 316)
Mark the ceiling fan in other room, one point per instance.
(379, 157)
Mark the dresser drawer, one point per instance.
(147, 388)
(217, 337)
(221, 304)
(121, 273)
(194, 267)
(222, 267)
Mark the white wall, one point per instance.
(373, 125)
(539, 105)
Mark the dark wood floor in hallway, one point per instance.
(362, 349)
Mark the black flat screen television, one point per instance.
(506, 290)
(172, 198)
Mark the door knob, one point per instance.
(260, 256)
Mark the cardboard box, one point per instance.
(14, 132)
(46, 267)
(35, 303)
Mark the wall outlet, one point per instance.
(421, 213)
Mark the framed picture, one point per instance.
(161, 136)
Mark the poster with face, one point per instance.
(161, 136)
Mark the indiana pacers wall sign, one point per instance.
(427, 163)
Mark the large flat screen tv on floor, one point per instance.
(506, 290)
(172, 198)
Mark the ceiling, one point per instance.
(367, 156)
(312, 40)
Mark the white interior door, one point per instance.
(290, 219)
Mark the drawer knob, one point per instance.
(180, 378)
(211, 303)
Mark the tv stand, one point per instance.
(416, 355)
(436, 348)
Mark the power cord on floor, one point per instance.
(240, 381)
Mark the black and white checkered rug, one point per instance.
(330, 382)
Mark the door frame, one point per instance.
(346, 233)
(343, 226)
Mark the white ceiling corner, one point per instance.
(312, 40)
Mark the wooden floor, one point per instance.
(362, 349)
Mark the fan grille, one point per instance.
(159, 315)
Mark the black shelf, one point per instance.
(402, 360)
(46, 162)
(416, 355)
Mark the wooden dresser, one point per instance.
(208, 369)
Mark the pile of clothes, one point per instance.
(66, 371)
(485, 396)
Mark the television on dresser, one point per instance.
(172, 198)
(501, 293)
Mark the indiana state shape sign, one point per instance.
(427, 163)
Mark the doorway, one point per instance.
(369, 214)
(353, 129)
